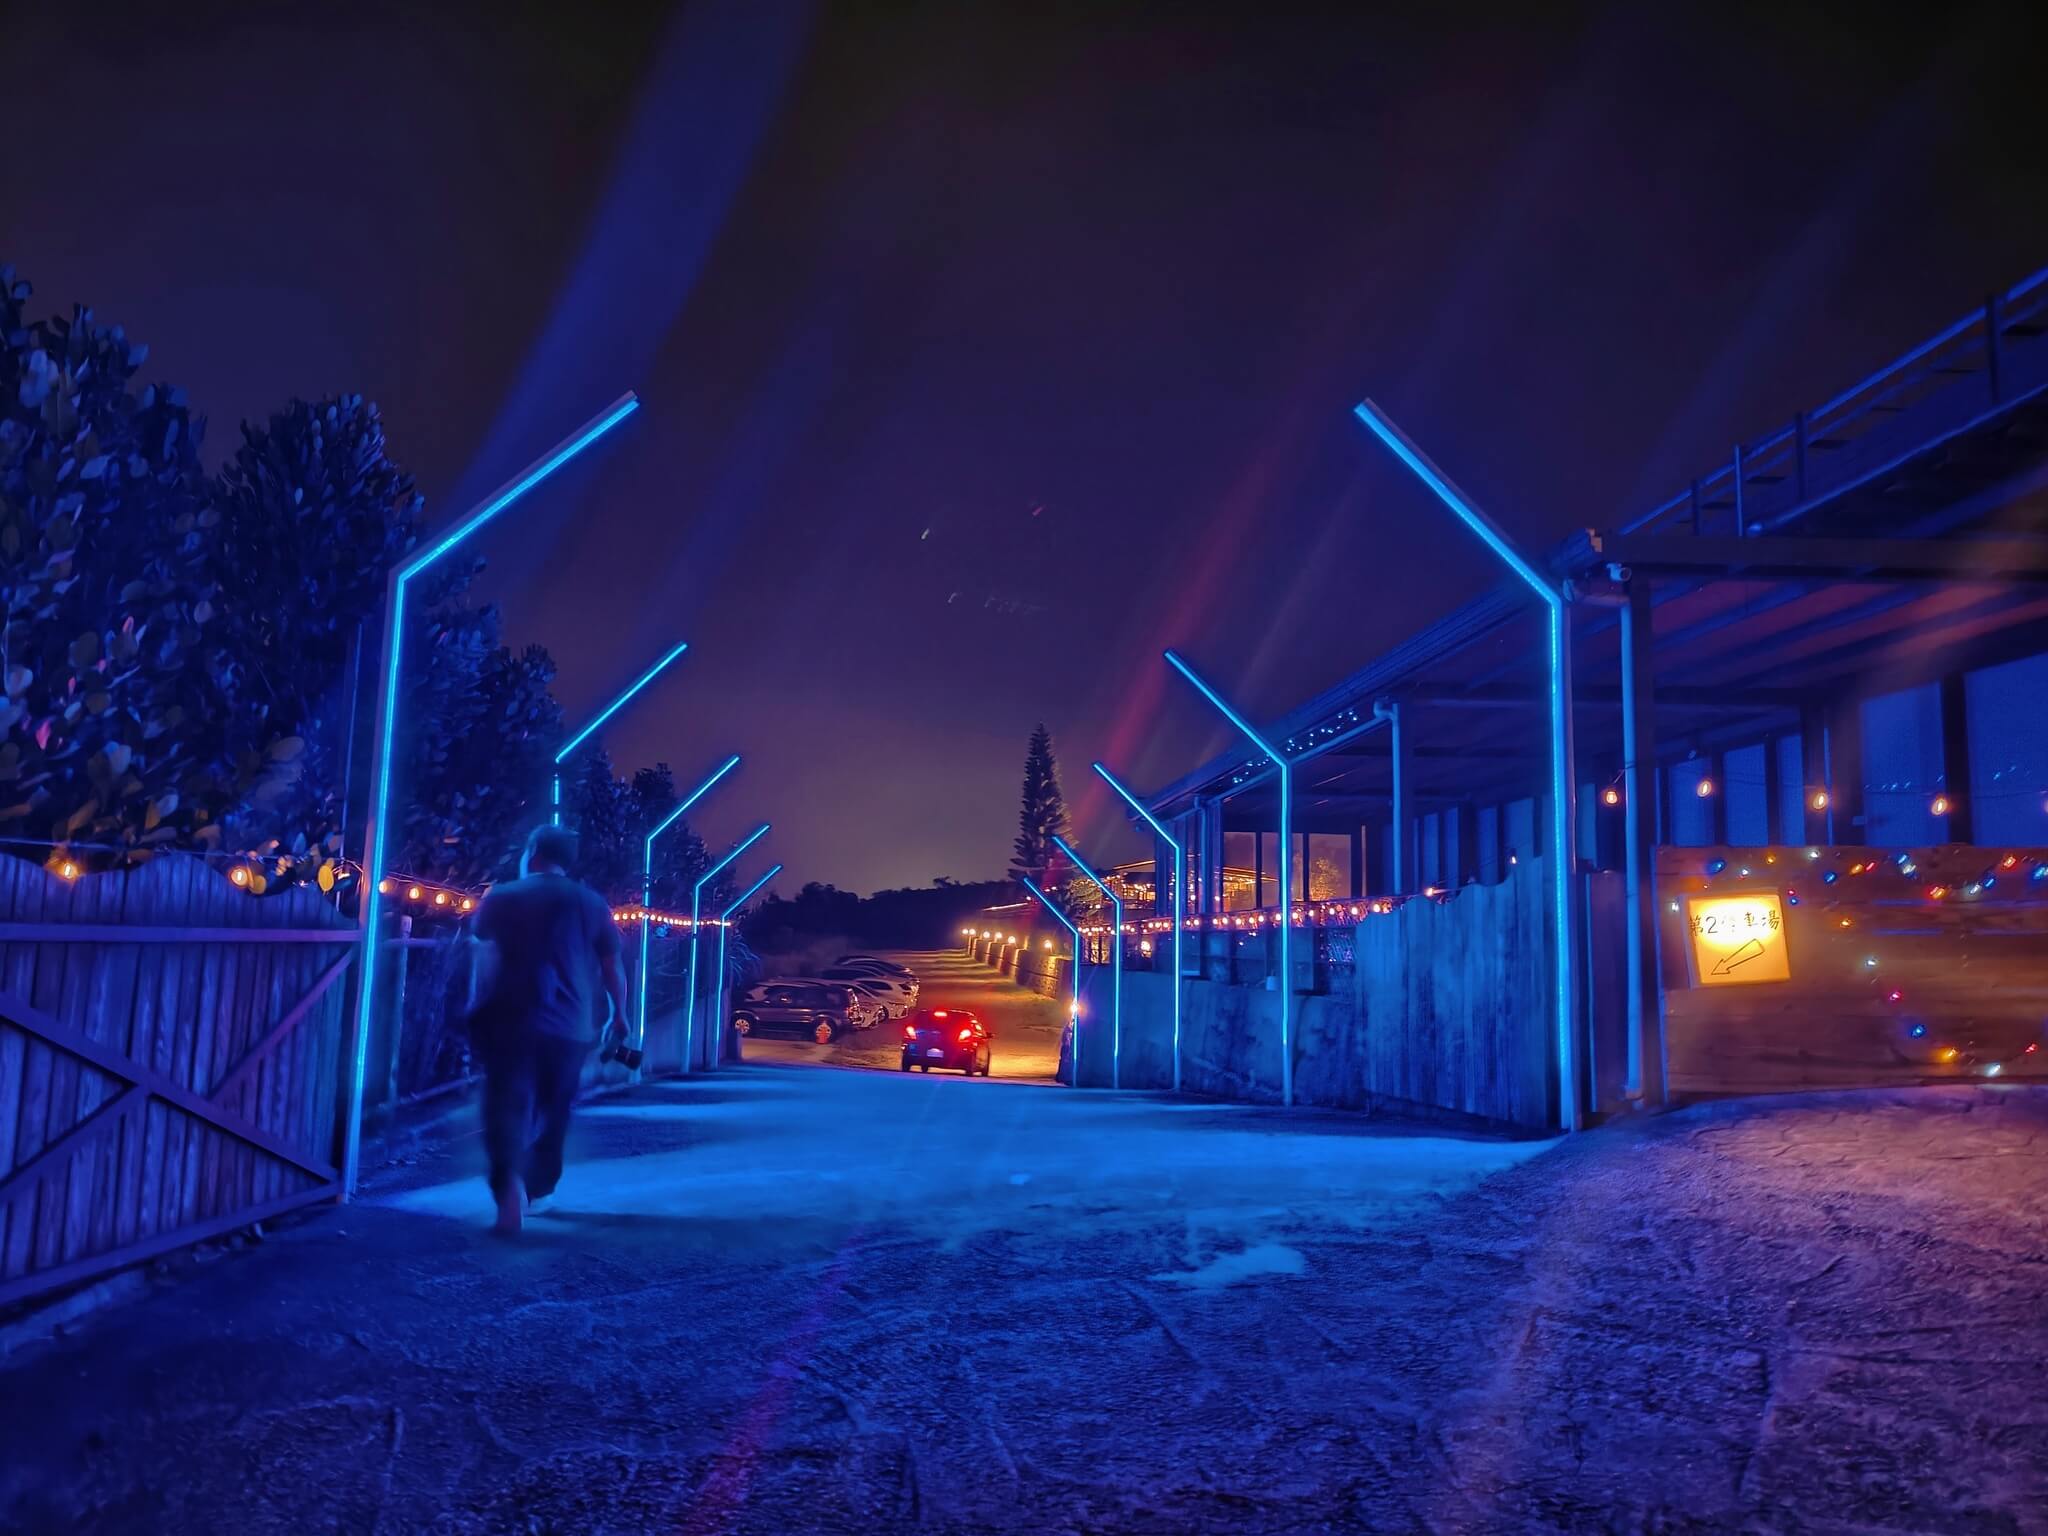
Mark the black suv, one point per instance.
(818, 1009)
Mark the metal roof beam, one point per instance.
(2000, 561)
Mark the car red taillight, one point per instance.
(966, 1034)
(910, 1031)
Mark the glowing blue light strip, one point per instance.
(1073, 1008)
(1179, 902)
(609, 710)
(647, 877)
(387, 726)
(1562, 795)
(620, 409)
(1496, 539)
(1286, 777)
(1116, 955)
(747, 895)
(718, 985)
(696, 905)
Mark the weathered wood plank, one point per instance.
(137, 1176)
(109, 985)
(17, 975)
(52, 1075)
(184, 978)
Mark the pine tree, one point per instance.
(1044, 813)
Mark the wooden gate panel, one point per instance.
(170, 1054)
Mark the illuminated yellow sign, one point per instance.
(1737, 939)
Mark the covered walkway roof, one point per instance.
(1888, 536)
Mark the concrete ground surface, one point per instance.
(782, 1300)
(1027, 1027)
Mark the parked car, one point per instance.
(818, 1009)
(953, 1038)
(895, 995)
(876, 962)
(877, 968)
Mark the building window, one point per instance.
(1749, 823)
(1692, 814)
(1269, 869)
(2009, 751)
(1521, 828)
(1902, 767)
(1329, 866)
(1238, 853)
(1792, 788)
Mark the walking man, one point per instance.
(555, 956)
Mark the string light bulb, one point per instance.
(67, 870)
(1940, 805)
(240, 875)
(1610, 796)
(1818, 799)
(1704, 788)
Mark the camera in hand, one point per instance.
(627, 1056)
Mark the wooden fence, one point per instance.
(170, 1063)
(1437, 1007)
(1452, 1004)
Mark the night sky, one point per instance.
(987, 351)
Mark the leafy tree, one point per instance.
(175, 652)
(609, 834)
(914, 917)
(111, 715)
(313, 516)
(679, 858)
(1043, 815)
(480, 730)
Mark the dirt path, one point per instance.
(790, 1301)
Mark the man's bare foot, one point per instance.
(511, 1212)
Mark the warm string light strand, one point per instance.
(2007, 868)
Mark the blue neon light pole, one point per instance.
(1073, 1008)
(1116, 955)
(647, 877)
(387, 730)
(1285, 771)
(1563, 812)
(718, 982)
(1179, 902)
(696, 908)
(603, 715)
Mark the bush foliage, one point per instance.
(190, 660)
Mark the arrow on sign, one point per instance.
(1739, 956)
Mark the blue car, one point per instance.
(950, 1038)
